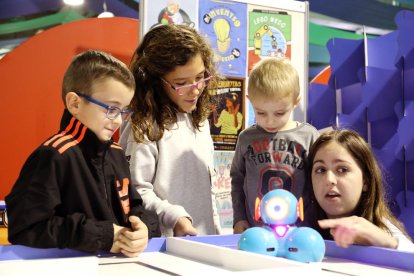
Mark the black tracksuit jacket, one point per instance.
(70, 191)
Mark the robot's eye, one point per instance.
(277, 208)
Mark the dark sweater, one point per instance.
(70, 191)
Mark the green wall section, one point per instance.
(41, 22)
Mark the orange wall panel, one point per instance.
(31, 79)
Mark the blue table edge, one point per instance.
(363, 254)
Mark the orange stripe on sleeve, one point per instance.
(84, 128)
(72, 121)
(76, 130)
(116, 147)
(57, 142)
(60, 140)
(68, 145)
(54, 137)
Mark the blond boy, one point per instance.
(271, 153)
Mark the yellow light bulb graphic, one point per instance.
(222, 30)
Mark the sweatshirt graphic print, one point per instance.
(266, 161)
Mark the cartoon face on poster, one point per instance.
(174, 14)
(224, 23)
(170, 12)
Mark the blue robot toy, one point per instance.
(279, 210)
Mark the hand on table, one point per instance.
(131, 241)
(357, 230)
(241, 226)
(184, 227)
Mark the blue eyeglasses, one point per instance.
(184, 89)
(112, 112)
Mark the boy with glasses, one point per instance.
(74, 190)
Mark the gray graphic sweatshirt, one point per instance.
(265, 161)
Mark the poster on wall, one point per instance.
(241, 33)
(168, 12)
(227, 118)
(270, 34)
(224, 24)
(222, 189)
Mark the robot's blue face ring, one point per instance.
(277, 208)
(277, 237)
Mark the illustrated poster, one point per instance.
(224, 24)
(270, 35)
(227, 118)
(169, 12)
(222, 188)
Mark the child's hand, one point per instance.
(133, 241)
(184, 227)
(241, 226)
(357, 230)
(115, 246)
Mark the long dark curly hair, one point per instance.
(161, 50)
(373, 204)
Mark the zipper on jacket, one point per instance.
(108, 200)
